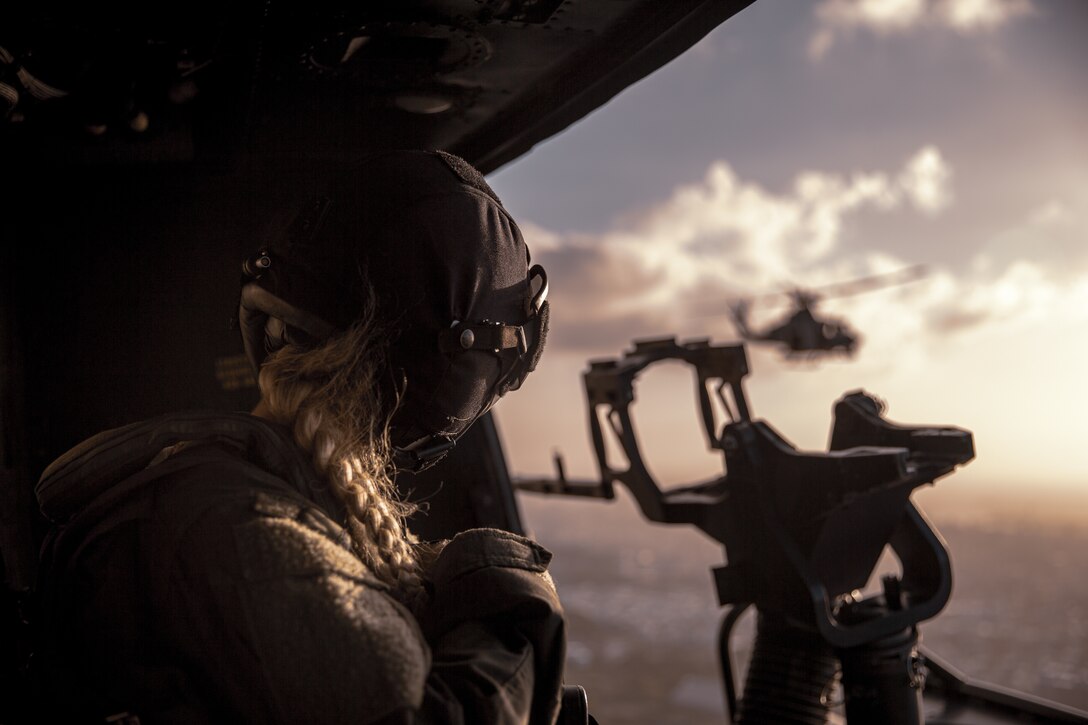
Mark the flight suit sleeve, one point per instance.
(497, 633)
(296, 629)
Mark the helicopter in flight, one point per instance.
(803, 333)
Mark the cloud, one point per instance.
(1023, 291)
(880, 15)
(958, 320)
(1053, 229)
(971, 15)
(673, 266)
(1053, 212)
(836, 18)
(926, 181)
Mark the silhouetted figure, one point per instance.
(256, 567)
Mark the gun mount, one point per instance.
(802, 531)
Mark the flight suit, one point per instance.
(197, 572)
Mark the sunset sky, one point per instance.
(807, 144)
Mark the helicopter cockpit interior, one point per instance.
(144, 152)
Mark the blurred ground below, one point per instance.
(643, 617)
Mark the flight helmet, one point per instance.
(465, 314)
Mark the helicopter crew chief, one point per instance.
(256, 567)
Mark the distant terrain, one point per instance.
(643, 617)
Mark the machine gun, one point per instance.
(802, 534)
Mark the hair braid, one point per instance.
(330, 396)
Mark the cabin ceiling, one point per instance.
(486, 79)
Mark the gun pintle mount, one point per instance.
(802, 531)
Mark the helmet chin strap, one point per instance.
(423, 453)
(517, 348)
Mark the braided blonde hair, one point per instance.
(331, 398)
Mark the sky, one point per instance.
(808, 144)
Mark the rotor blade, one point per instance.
(772, 297)
(876, 281)
(788, 293)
